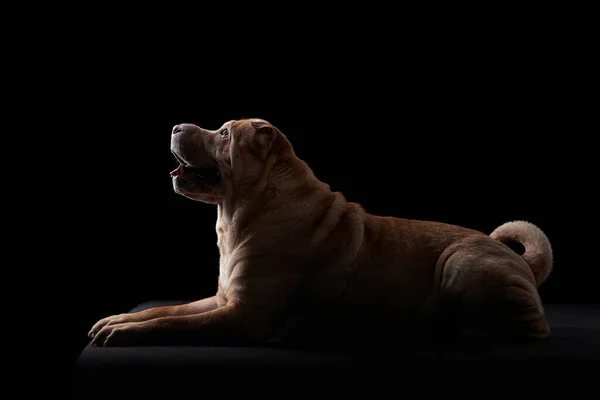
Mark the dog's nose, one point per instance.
(177, 129)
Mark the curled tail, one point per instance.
(538, 252)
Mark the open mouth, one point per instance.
(207, 174)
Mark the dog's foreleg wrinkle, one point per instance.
(194, 307)
(223, 323)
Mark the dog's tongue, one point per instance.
(178, 171)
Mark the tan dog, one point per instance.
(299, 261)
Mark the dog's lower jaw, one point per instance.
(205, 198)
(210, 198)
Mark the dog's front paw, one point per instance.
(116, 335)
(112, 320)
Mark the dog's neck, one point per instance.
(287, 188)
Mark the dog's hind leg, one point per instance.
(519, 310)
(486, 301)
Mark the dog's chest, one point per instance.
(224, 272)
(226, 251)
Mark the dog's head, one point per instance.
(214, 164)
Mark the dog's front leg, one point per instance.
(195, 307)
(224, 323)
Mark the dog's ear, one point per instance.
(264, 136)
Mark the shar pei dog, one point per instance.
(299, 262)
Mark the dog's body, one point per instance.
(298, 261)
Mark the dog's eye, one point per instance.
(224, 133)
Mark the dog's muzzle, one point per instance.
(192, 166)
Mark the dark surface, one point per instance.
(574, 344)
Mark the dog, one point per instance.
(300, 262)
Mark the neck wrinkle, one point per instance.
(285, 189)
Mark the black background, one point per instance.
(451, 125)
